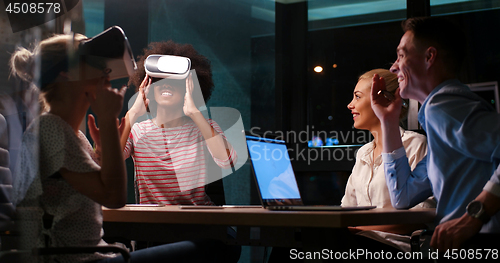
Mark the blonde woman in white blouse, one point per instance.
(367, 184)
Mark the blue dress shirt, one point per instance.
(463, 134)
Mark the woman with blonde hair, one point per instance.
(63, 181)
(366, 185)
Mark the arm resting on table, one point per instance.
(407, 188)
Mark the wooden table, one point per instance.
(238, 216)
(255, 226)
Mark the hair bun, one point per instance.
(21, 64)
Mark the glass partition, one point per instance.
(347, 38)
(227, 33)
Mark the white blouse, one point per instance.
(367, 186)
(50, 144)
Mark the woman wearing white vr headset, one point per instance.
(169, 148)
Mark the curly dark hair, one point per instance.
(199, 63)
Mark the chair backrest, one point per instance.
(6, 206)
(17, 248)
(215, 189)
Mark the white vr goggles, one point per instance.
(167, 66)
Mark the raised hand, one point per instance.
(189, 105)
(386, 106)
(107, 102)
(141, 104)
(94, 131)
(139, 108)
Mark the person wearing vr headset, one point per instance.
(169, 148)
(63, 184)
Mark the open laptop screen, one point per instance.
(273, 171)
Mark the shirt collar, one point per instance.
(401, 131)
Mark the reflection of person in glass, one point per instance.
(168, 149)
(63, 182)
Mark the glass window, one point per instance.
(346, 46)
(238, 38)
(350, 38)
(93, 13)
(448, 7)
(333, 14)
(227, 33)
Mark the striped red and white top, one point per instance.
(170, 164)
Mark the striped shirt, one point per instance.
(170, 164)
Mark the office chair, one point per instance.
(9, 232)
(18, 256)
(10, 252)
(215, 189)
(418, 237)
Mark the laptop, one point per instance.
(275, 179)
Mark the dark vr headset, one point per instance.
(109, 51)
(167, 66)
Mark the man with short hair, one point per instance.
(463, 133)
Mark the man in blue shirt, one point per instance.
(463, 134)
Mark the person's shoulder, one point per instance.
(147, 122)
(364, 149)
(52, 128)
(454, 98)
(452, 88)
(143, 125)
(47, 121)
(49, 132)
(49, 117)
(413, 141)
(413, 135)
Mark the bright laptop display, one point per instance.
(276, 183)
(273, 171)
